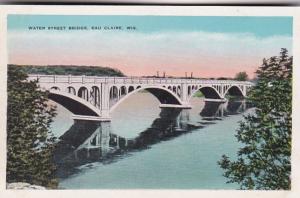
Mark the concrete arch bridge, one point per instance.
(94, 98)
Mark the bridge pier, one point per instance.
(93, 118)
(187, 106)
(223, 100)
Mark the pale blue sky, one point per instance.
(205, 45)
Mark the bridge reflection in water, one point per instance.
(92, 141)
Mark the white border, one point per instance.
(152, 10)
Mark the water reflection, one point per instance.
(91, 141)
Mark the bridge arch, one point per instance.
(55, 88)
(164, 95)
(208, 92)
(71, 90)
(113, 92)
(73, 103)
(123, 91)
(234, 91)
(178, 90)
(83, 93)
(174, 89)
(95, 96)
(130, 89)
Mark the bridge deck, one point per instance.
(127, 80)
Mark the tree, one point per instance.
(30, 143)
(223, 78)
(264, 160)
(241, 76)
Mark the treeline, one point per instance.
(69, 70)
(240, 76)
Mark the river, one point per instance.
(145, 147)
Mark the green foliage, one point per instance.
(223, 78)
(30, 143)
(241, 76)
(198, 94)
(70, 70)
(264, 160)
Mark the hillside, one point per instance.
(70, 70)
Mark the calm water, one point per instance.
(148, 147)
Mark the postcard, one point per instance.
(149, 101)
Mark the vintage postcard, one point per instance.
(149, 100)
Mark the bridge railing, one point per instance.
(125, 80)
